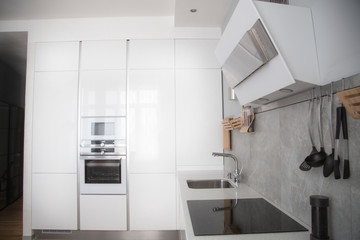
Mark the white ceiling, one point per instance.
(210, 13)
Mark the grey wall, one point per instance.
(273, 153)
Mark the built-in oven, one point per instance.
(102, 174)
(102, 162)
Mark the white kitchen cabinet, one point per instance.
(196, 54)
(103, 212)
(198, 116)
(57, 56)
(54, 201)
(151, 54)
(151, 121)
(103, 93)
(96, 55)
(55, 122)
(152, 201)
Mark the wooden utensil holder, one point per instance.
(351, 100)
(230, 124)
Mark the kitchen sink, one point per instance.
(213, 183)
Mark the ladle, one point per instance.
(329, 161)
(318, 159)
(304, 166)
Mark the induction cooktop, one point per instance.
(239, 216)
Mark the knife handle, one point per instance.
(337, 168)
(338, 122)
(346, 173)
(344, 123)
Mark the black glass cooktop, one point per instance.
(239, 216)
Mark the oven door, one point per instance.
(102, 174)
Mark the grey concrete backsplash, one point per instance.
(272, 155)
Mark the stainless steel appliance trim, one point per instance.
(127, 137)
(78, 136)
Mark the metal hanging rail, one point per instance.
(338, 86)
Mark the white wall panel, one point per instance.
(55, 122)
(196, 54)
(151, 54)
(198, 116)
(151, 121)
(97, 55)
(152, 201)
(57, 56)
(103, 212)
(103, 93)
(54, 201)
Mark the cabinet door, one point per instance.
(151, 54)
(103, 212)
(152, 201)
(151, 121)
(103, 93)
(196, 54)
(57, 56)
(96, 55)
(54, 201)
(55, 122)
(198, 116)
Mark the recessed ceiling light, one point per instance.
(286, 90)
(193, 10)
(263, 99)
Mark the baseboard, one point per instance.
(109, 235)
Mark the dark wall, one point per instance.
(13, 49)
(12, 86)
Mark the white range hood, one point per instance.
(291, 30)
(316, 43)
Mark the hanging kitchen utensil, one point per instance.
(318, 159)
(304, 166)
(329, 161)
(346, 173)
(337, 136)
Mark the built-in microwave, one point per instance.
(103, 136)
(100, 128)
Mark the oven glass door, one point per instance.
(102, 171)
(102, 174)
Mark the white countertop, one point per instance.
(241, 191)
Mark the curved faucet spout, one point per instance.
(236, 170)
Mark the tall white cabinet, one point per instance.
(198, 104)
(103, 94)
(151, 128)
(198, 108)
(54, 155)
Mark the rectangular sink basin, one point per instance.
(205, 184)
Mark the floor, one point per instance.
(11, 221)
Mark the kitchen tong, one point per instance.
(341, 122)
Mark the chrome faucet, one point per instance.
(237, 173)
